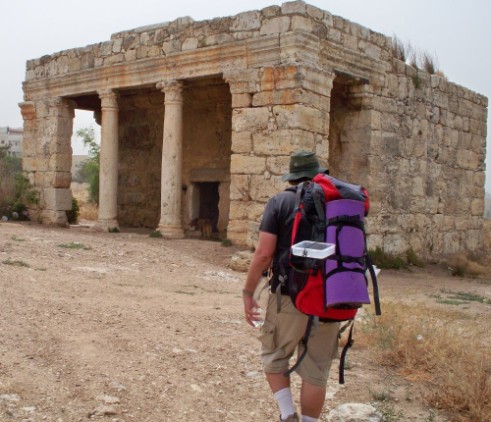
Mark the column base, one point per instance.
(107, 225)
(171, 231)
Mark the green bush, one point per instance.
(16, 193)
(72, 215)
(387, 261)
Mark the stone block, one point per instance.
(247, 21)
(262, 190)
(60, 162)
(246, 164)
(275, 25)
(105, 48)
(239, 210)
(141, 52)
(57, 179)
(301, 117)
(250, 119)
(237, 231)
(239, 187)
(130, 56)
(74, 65)
(294, 7)
(282, 142)
(301, 23)
(243, 100)
(290, 97)
(241, 142)
(190, 44)
(52, 217)
(57, 199)
(171, 46)
(37, 164)
(314, 12)
(477, 207)
(117, 45)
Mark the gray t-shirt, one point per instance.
(278, 219)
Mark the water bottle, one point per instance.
(261, 294)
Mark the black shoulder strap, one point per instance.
(349, 343)
(373, 276)
(305, 339)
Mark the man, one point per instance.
(282, 331)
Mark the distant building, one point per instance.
(12, 138)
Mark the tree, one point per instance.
(89, 171)
(16, 193)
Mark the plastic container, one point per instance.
(261, 295)
(376, 269)
(316, 250)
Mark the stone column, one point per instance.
(47, 156)
(170, 225)
(108, 173)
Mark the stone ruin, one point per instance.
(198, 120)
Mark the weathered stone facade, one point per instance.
(199, 119)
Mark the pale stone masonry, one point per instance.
(199, 119)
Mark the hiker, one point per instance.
(282, 332)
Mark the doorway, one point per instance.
(208, 198)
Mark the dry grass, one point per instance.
(446, 351)
(88, 210)
(467, 265)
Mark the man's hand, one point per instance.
(260, 262)
(250, 308)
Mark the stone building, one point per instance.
(198, 120)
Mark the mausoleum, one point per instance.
(198, 120)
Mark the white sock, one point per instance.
(285, 402)
(308, 419)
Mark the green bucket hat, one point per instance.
(303, 164)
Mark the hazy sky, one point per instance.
(456, 32)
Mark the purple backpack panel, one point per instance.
(346, 284)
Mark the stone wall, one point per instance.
(427, 164)
(140, 158)
(284, 78)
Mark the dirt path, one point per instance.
(124, 327)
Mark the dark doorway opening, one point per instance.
(208, 202)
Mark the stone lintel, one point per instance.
(209, 175)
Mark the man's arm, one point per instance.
(261, 261)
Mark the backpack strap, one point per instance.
(373, 276)
(313, 320)
(296, 217)
(349, 343)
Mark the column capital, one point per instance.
(109, 98)
(28, 110)
(172, 88)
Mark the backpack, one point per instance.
(329, 216)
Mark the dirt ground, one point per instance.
(125, 327)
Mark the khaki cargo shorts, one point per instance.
(281, 335)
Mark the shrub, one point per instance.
(413, 259)
(16, 193)
(72, 215)
(386, 261)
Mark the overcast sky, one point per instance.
(456, 32)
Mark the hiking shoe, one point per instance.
(291, 418)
